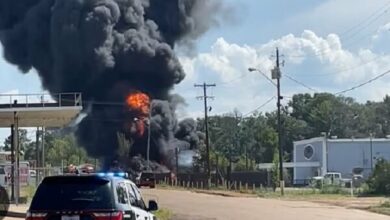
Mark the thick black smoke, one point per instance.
(107, 49)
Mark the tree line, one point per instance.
(59, 149)
(243, 141)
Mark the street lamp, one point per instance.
(276, 74)
(251, 69)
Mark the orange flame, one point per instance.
(139, 103)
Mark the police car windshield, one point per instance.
(69, 193)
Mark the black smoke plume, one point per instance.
(107, 49)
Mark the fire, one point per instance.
(139, 104)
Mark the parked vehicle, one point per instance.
(146, 179)
(331, 178)
(32, 173)
(89, 196)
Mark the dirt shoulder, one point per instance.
(186, 204)
(374, 204)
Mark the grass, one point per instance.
(290, 193)
(383, 208)
(303, 194)
(163, 214)
(27, 192)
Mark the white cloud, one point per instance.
(231, 60)
(188, 66)
(382, 30)
(328, 64)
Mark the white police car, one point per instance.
(103, 196)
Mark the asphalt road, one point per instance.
(197, 206)
(189, 205)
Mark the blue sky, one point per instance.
(328, 45)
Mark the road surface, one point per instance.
(194, 206)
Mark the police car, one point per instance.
(102, 196)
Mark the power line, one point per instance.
(361, 38)
(364, 83)
(233, 80)
(365, 19)
(343, 70)
(265, 75)
(261, 106)
(384, 10)
(300, 83)
(243, 76)
(370, 22)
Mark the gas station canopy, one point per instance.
(39, 110)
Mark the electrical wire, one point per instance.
(261, 106)
(343, 70)
(363, 84)
(384, 10)
(365, 19)
(265, 75)
(233, 80)
(369, 23)
(300, 83)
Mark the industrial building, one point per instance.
(320, 155)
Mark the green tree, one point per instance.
(65, 149)
(24, 141)
(30, 151)
(379, 181)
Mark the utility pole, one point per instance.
(177, 160)
(205, 97)
(16, 161)
(37, 156)
(12, 163)
(43, 152)
(276, 74)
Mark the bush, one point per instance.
(332, 189)
(316, 184)
(379, 181)
(385, 204)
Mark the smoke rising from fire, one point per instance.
(109, 49)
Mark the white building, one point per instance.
(319, 155)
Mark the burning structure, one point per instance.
(120, 55)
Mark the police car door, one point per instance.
(138, 206)
(123, 200)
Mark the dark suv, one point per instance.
(146, 179)
(89, 197)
